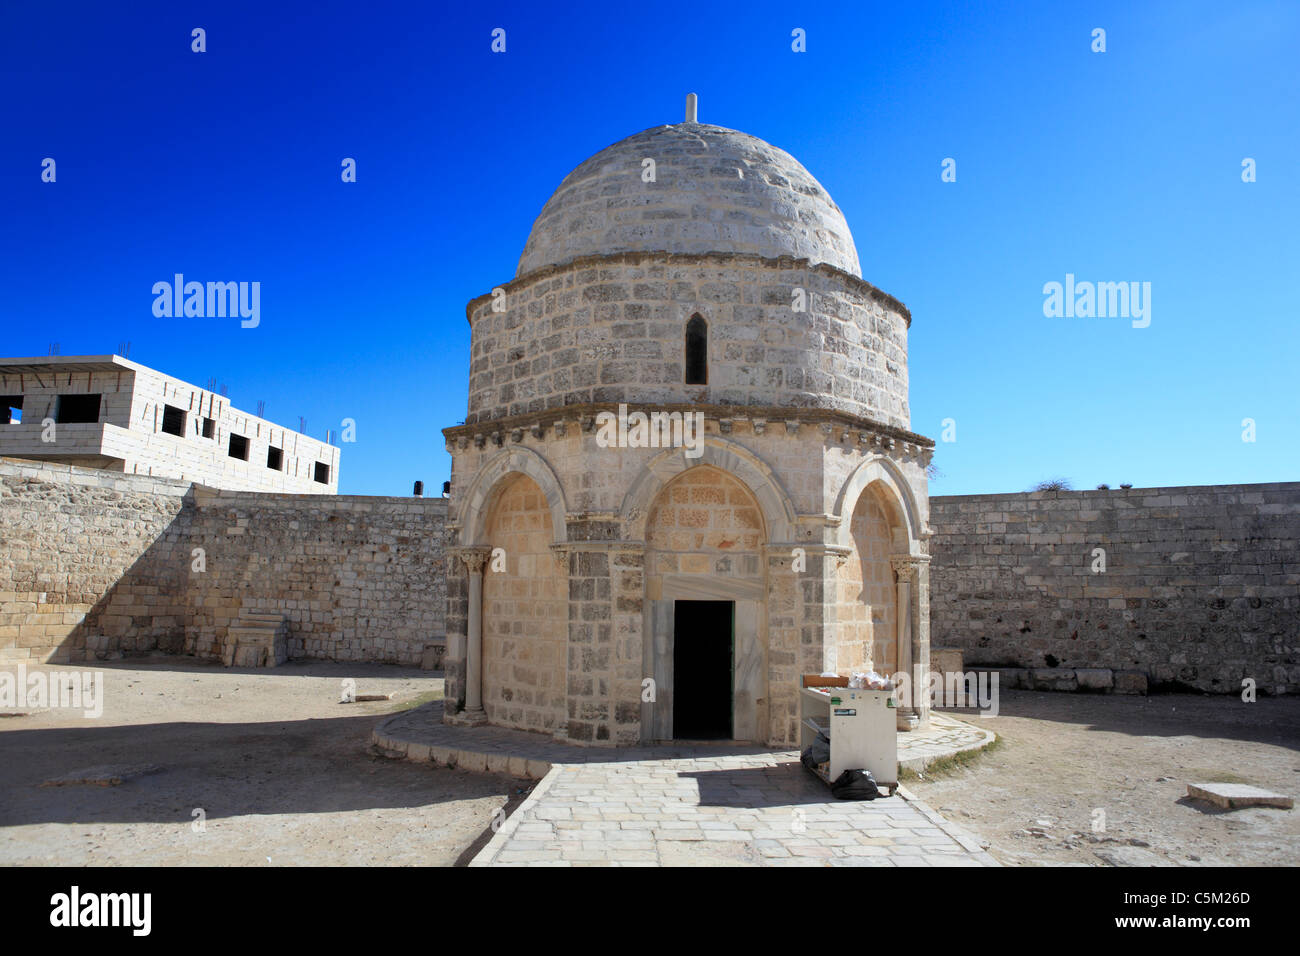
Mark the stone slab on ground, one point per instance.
(1095, 678)
(1130, 682)
(1234, 796)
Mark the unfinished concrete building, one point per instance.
(107, 412)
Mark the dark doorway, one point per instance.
(702, 669)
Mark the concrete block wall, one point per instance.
(207, 460)
(128, 436)
(1201, 586)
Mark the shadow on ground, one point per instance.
(228, 769)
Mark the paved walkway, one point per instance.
(694, 806)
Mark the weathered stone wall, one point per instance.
(613, 330)
(90, 562)
(357, 578)
(865, 595)
(525, 614)
(1201, 584)
(799, 471)
(94, 563)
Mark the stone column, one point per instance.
(475, 559)
(908, 719)
(921, 636)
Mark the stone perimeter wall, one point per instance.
(93, 564)
(1201, 586)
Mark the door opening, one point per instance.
(703, 665)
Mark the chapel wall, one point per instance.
(612, 330)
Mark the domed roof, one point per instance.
(715, 190)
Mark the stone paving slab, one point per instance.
(736, 810)
(696, 805)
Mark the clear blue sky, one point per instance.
(1120, 166)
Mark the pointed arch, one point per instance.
(474, 510)
(896, 494)
(736, 460)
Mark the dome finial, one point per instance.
(692, 104)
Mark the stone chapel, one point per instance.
(616, 594)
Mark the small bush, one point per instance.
(1053, 484)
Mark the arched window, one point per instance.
(697, 351)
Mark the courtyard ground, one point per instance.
(282, 771)
(1063, 757)
(285, 775)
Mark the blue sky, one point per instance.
(1115, 166)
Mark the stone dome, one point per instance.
(715, 190)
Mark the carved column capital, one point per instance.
(474, 558)
(906, 566)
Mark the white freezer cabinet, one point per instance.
(862, 726)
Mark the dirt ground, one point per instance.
(282, 773)
(1062, 757)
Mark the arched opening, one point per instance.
(525, 611)
(866, 597)
(706, 588)
(697, 351)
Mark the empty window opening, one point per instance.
(77, 409)
(173, 422)
(209, 428)
(11, 409)
(275, 459)
(322, 473)
(697, 351)
(238, 447)
(702, 670)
